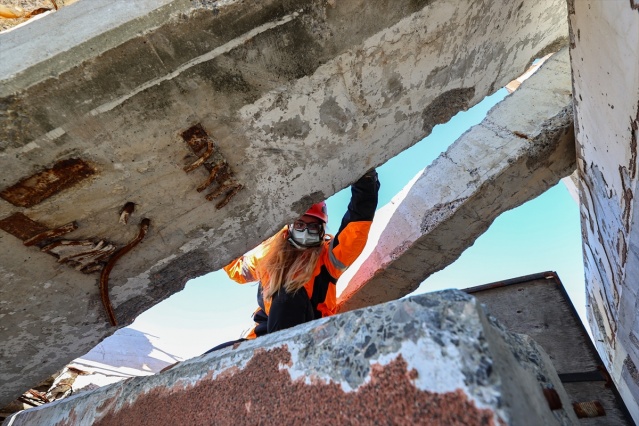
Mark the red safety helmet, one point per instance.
(319, 211)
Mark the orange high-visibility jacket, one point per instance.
(337, 254)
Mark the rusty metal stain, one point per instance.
(20, 226)
(202, 159)
(51, 233)
(589, 409)
(126, 211)
(196, 137)
(553, 399)
(228, 197)
(212, 176)
(229, 188)
(40, 186)
(521, 135)
(104, 275)
(382, 400)
(211, 159)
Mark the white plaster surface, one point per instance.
(605, 61)
(515, 154)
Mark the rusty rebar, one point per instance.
(230, 195)
(104, 275)
(202, 159)
(211, 177)
(126, 211)
(225, 186)
(51, 233)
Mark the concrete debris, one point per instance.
(439, 352)
(63, 384)
(82, 255)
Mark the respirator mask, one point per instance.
(303, 235)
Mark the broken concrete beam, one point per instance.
(432, 359)
(605, 60)
(300, 97)
(524, 146)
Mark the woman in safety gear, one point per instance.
(298, 267)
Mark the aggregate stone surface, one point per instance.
(435, 358)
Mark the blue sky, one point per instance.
(543, 234)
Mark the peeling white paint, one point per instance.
(604, 54)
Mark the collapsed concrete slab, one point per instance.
(264, 108)
(435, 359)
(524, 146)
(605, 60)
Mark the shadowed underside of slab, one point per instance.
(524, 146)
(297, 100)
(433, 359)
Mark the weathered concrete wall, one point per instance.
(434, 359)
(524, 146)
(605, 61)
(300, 97)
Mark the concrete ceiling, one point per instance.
(98, 104)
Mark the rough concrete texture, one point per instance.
(299, 98)
(433, 359)
(605, 61)
(524, 146)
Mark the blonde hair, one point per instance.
(284, 265)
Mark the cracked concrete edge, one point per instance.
(514, 155)
(447, 344)
(28, 50)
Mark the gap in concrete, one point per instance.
(212, 309)
(543, 234)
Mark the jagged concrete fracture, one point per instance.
(433, 359)
(524, 146)
(286, 101)
(605, 60)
